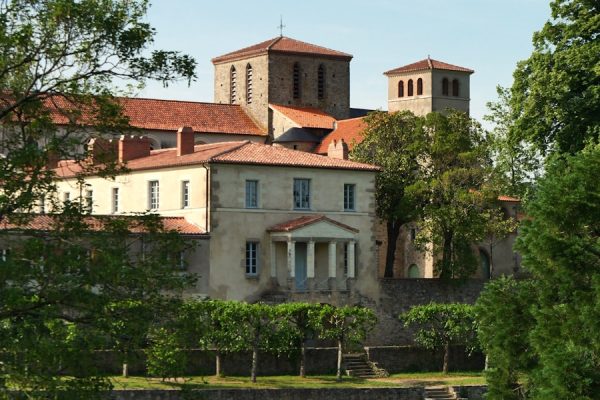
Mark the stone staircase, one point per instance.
(358, 365)
(440, 393)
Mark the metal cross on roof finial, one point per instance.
(281, 25)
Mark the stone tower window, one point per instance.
(401, 89)
(248, 84)
(296, 77)
(232, 85)
(445, 87)
(321, 82)
(410, 87)
(455, 87)
(419, 87)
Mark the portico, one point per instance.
(320, 253)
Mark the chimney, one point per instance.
(132, 147)
(101, 151)
(338, 149)
(185, 141)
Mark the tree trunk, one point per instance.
(393, 231)
(125, 370)
(491, 260)
(446, 357)
(218, 365)
(303, 360)
(338, 375)
(254, 363)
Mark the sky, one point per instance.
(488, 36)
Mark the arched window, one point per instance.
(248, 84)
(401, 89)
(484, 260)
(445, 87)
(413, 271)
(419, 87)
(296, 81)
(321, 82)
(455, 87)
(232, 85)
(410, 87)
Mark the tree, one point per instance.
(560, 246)
(555, 91)
(345, 325)
(164, 357)
(441, 325)
(497, 228)
(456, 185)
(395, 142)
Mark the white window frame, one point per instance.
(349, 197)
(251, 258)
(115, 200)
(300, 190)
(153, 195)
(185, 194)
(248, 195)
(89, 199)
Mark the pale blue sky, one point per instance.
(489, 36)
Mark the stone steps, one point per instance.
(358, 365)
(440, 393)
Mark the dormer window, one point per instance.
(410, 87)
(401, 89)
(455, 87)
(445, 87)
(248, 84)
(419, 87)
(232, 85)
(296, 81)
(321, 82)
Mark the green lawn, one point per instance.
(313, 381)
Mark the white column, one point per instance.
(310, 259)
(351, 259)
(332, 262)
(291, 258)
(273, 260)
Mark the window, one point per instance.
(89, 200)
(413, 271)
(302, 194)
(321, 82)
(248, 84)
(349, 197)
(401, 89)
(454, 87)
(251, 258)
(115, 200)
(410, 87)
(153, 195)
(296, 81)
(345, 259)
(419, 87)
(185, 194)
(413, 234)
(445, 87)
(66, 197)
(232, 85)
(251, 194)
(42, 205)
(181, 261)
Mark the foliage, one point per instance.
(556, 91)
(441, 325)
(165, 358)
(395, 142)
(297, 316)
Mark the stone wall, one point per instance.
(396, 359)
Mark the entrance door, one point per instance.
(300, 271)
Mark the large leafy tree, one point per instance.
(395, 142)
(556, 91)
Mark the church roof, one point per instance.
(281, 44)
(425, 64)
(306, 117)
(350, 130)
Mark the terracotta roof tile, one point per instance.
(508, 198)
(46, 222)
(245, 152)
(298, 223)
(350, 130)
(281, 44)
(306, 117)
(427, 63)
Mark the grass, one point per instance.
(290, 382)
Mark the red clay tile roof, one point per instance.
(46, 222)
(298, 223)
(427, 63)
(245, 152)
(281, 44)
(306, 117)
(508, 198)
(170, 115)
(348, 129)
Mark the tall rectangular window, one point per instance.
(115, 200)
(42, 205)
(66, 196)
(185, 194)
(345, 259)
(302, 194)
(349, 197)
(153, 195)
(251, 258)
(89, 200)
(251, 194)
